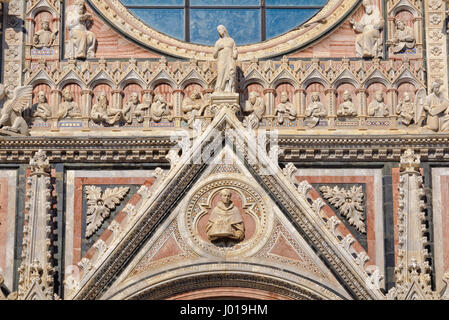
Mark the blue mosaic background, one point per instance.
(248, 21)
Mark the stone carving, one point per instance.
(12, 121)
(406, 109)
(377, 107)
(194, 106)
(81, 42)
(255, 107)
(285, 109)
(102, 112)
(40, 164)
(44, 38)
(160, 109)
(434, 110)
(10, 296)
(99, 205)
(347, 108)
(68, 109)
(134, 109)
(315, 110)
(350, 203)
(225, 226)
(41, 108)
(226, 54)
(368, 41)
(404, 37)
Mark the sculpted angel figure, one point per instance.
(315, 110)
(226, 54)
(406, 109)
(255, 107)
(42, 109)
(377, 107)
(102, 112)
(285, 109)
(434, 108)
(347, 108)
(44, 37)
(225, 222)
(160, 109)
(11, 119)
(368, 40)
(404, 37)
(68, 109)
(82, 42)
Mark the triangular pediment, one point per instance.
(263, 190)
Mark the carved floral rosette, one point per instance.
(257, 216)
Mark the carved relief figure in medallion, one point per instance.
(160, 109)
(347, 108)
(226, 54)
(225, 225)
(82, 42)
(404, 37)
(377, 107)
(68, 109)
(315, 110)
(433, 109)
(194, 106)
(368, 41)
(41, 108)
(285, 109)
(134, 109)
(255, 107)
(44, 37)
(406, 109)
(103, 113)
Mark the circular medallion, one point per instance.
(226, 217)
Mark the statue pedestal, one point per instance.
(229, 98)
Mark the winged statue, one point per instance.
(100, 205)
(11, 119)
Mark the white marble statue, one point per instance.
(81, 42)
(255, 108)
(404, 37)
(377, 107)
(434, 110)
(347, 108)
(135, 109)
(315, 110)
(368, 40)
(44, 38)
(41, 108)
(68, 109)
(160, 109)
(103, 113)
(11, 115)
(406, 109)
(226, 54)
(285, 109)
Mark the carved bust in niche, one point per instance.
(315, 110)
(255, 107)
(377, 107)
(285, 109)
(44, 38)
(225, 227)
(68, 109)
(406, 109)
(160, 109)
(404, 37)
(347, 108)
(41, 108)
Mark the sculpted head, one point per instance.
(400, 25)
(346, 96)
(379, 96)
(45, 24)
(435, 88)
(222, 31)
(407, 97)
(67, 95)
(315, 97)
(226, 196)
(159, 98)
(253, 97)
(284, 97)
(368, 4)
(134, 98)
(102, 97)
(41, 97)
(81, 5)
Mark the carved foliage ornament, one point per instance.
(350, 203)
(100, 205)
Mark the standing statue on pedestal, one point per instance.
(369, 42)
(226, 54)
(11, 120)
(81, 44)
